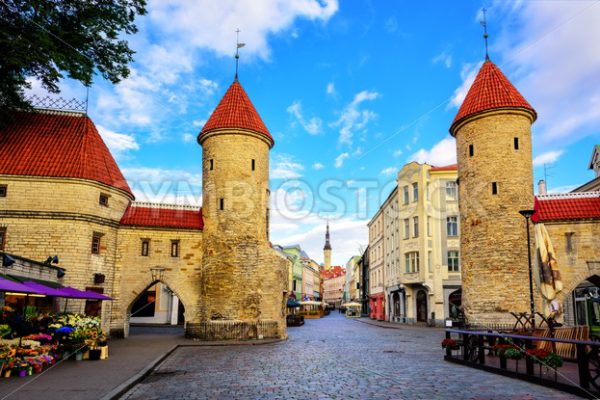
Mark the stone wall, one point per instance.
(133, 275)
(243, 280)
(54, 216)
(493, 234)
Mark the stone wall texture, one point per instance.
(493, 233)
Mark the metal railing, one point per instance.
(480, 349)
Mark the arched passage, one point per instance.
(155, 307)
(454, 304)
(421, 306)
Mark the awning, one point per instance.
(48, 291)
(80, 294)
(291, 303)
(10, 286)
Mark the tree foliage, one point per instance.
(48, 39)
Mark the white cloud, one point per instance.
(339, 160)
(443, 58)
(330, 89)
(562, 189)
(389, 171)
(353, 118)
(442, 153)
(398, 152)
(553, 57)
(313, 126)
(165, 185)
(285, 167)
(467, 74)
(317, 166)
(547, 158)
(117, 142)
(187, 137)
(257, 20)
(348, 235)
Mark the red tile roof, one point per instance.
(162, 216)
(490, 90)
(573, 206)
(452, 167)
(334, 272)
(55, 144)
(236, 111)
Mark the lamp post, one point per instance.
(528, 214)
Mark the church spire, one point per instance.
(327, 244)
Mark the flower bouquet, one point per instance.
(450, 344)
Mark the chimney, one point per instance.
(542, 187)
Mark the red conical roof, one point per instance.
(61, 145)
(491, 90)
(236, 111)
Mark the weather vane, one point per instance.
(237, 52)
(485, 32)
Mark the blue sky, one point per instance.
(351, 90)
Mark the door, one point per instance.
(421, 306)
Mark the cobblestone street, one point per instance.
(330, 358)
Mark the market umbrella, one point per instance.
(291, 303)
(11, 286)
(48, 291)
(73, 293)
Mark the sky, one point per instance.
(350, 90)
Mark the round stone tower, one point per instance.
(241, 286)
(493, 141)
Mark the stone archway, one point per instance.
(157, 305)
(132, 294)
(581, 304)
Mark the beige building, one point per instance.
(421, 245)
(334, 280)
(352, 289)
(376, 267)
(61, 192)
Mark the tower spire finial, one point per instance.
(485, 32)
(237, 52)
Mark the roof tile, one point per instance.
(567, 207)
(235, 110)
(490, 90)
(57, 144)
(162, 217)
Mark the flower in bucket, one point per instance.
(449, 344)
(513, 353)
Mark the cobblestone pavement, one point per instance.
(331, 358)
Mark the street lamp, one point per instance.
(157, 273)
(528, 214)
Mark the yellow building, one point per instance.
(61, 192)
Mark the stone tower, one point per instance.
(327, 250)
(242, 279)
(495, 176)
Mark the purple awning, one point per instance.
(80, 294)
(48, 291)
(10, 286)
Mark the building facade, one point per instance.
(376, 267)
(63, 193)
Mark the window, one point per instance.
(452, 226)
(3, 189)
(405, 194)
(453, 261)
(406, 228)
(494, 188)
(221, 204)
(516, 143)
(471, 150)
(103, 200)
(569, 237)
(2, 238)
(212, 164)
(145, 247)
(253, 164)
(415, 192)
(174, 248)
(411, 261)
(96, 240)
(294, 285)
(451, 190)
(415, 226)
(428, 226)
